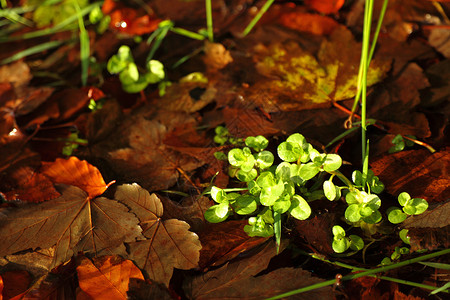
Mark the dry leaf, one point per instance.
(139, 289)
(14, 283)
(325, 6)
(78, 173)
(73, 222)
(169, 243)
(238, 280)
(106, 277)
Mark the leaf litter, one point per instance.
(283, 78)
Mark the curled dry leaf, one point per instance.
(216, 56)
(78, 173)
(169, 243)
(107, 277)
(72, 222)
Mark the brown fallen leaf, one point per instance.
(222, 242)
(417, 172)
(78, 173)
(169, 243)
(106, 277)
(15, 283)
(140, 289)
(238, 280)
(72, 222)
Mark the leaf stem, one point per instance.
(257, 17)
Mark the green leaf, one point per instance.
(299, 209)
(329, 190)
(415, 206)
(352, 213)
(356, 242)
(258, 143)
(282, 204)
(129, 75)
(399, 144)
(245, 204)
(298, 139)
(246, 176)
(374, 218)
(220, 155)
(395, 215)
(403, 198)
(217, 213)
(404, 236)
(277, 228)
(218, 194)
(264, 159)
(340, 245)
(265, 179)
(289, 152)
(283, 171)
(332, 162)
(308, 171)
(338, 231)
(269, 194)
(357, 178)
(254, 188)
(352, 198)
(156, 68)
(236, 157)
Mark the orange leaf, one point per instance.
(107, 277)
(13, 283)
(325, 6)
(313, 23)
(78, 173)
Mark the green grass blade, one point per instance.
(209, 20)
(31, 51)
(437, 265)
(84, 46)
(257, 17)
(187, 33)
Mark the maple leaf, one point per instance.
(238, 280)
(72, 222)
(106, 277)
(169, 245)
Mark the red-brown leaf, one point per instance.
(78, 173)
(106, 277)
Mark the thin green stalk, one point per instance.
(31, 51)
(187, 33)
(361, 274)
(257, 17)
(209, 20)
(85, 50)
(63, 26)
(159, 36)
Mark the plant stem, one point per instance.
(257, 17)
(209, 20)
(361, 274)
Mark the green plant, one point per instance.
(132, 80)
(276, 192)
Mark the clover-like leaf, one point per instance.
(332, 162)
(374, 218)
(415, 206)
(258, 143)
(217, 213)
(299, 209)
(352, 213)
(169, 243)
(264, 159)
(246, 176)
(289, 152)
(329, 190)
(395, 215)
(403, 198)
(356, 242)
(236, 157)
(308, 171)
(245, 204)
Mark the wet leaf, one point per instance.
(301, 80)
(325, 6)
(169, 244)
(78, 173)
(421, 174)
(72, 222)
(238, 280)
(222, 242)
(106, 277)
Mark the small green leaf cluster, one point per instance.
(272, 190)
(341, 242)
(410, 206)
(132, 80)
(400, 143)
(96, 16)
(223, 136)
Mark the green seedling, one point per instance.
(275, 192)
(72, 143)
(400, 143)
(410, 206)
(132, 80)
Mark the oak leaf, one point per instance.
(169, 243)
(106, 277)
(73, 222)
